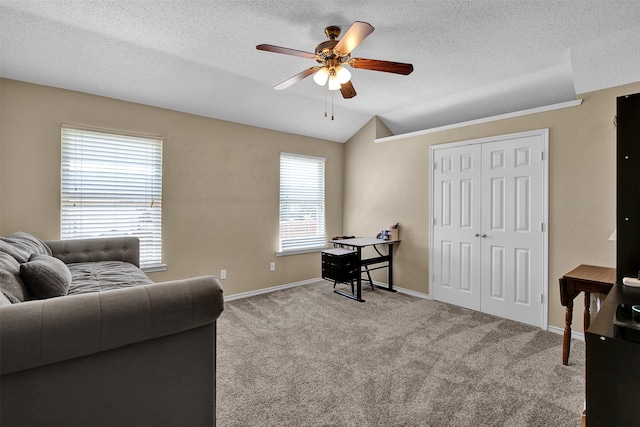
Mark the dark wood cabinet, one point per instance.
(613, 366)
(628, 186)
(613, 353)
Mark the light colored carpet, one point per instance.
(306, 356)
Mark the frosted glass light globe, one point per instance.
(321, 76)
(342, 74)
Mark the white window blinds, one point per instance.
(112, 186)
(302, 214)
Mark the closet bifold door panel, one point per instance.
(512, 244)
(456, 226)
(488, 237)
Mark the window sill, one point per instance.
(154, 268)
(301, 251)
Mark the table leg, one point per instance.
(359, 278)
(391, 267)
(389, 260)
(566, 342)
(587, 313)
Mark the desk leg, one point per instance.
(587, 313)
(359, 279)
(391, 268)
(566, 342)
(389, 259)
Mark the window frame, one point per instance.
(292, 185)
(111, 185)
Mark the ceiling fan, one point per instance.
(332, 55)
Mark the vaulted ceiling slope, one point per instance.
(472, 59)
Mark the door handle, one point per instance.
(484, 235)
(477, 234)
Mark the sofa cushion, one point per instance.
(11, 284)
(104, 276)
(46, 276)
(28, 243)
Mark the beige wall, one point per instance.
(388, 182)
(221, 182)
(221, 185)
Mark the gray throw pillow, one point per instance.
(46, 276)
(11, 284)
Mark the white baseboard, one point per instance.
(560, 331)
(404, 291)
(413, 293)
(267, 290)
(308, 282)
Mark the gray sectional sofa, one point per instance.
(87, 339)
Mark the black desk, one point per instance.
(358, 244)
(613, 366)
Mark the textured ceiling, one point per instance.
(472, 59)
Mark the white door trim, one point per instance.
(544, 134)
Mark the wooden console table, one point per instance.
(588, 279)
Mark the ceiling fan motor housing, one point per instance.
(327, 56)
(324, 51)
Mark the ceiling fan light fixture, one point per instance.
(321, 76)
(331, 55)
(334, 83)
(342, 74)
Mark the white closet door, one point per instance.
(456, 226)
(512, 238)
(488, 205)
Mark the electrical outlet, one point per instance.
(272, 267)
(223, 274)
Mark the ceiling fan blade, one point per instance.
(377, 65)
(286, 51)
(295, 79)
(347, 90)
(357, 32)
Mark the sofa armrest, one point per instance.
(125, 248)
(36, 333)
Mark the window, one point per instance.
(112, 186)
(302, 215)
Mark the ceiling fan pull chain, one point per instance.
(332, 92)
(325, 102)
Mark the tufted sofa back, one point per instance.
(126, 248)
